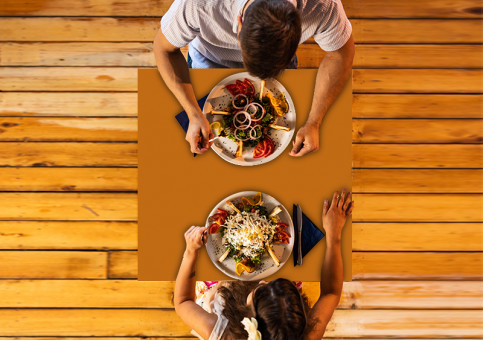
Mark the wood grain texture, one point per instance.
(149, 322)
(123, 265)
(417, 181)
(424, 131)
(69, 206)
(52, 265)
(400, 56)
(144, 294)
(67, 79)
(123, 207)
(67, 235)
(79, 29)
(417, 156)
(366, 266)
(411, 266)
(413, 9)
(144, 29)
(417, 81)
(68, 179)
(68, 154)
(417, 31)
(310, 55)
(418, 208)
(68, 104)
(417, 106)
(417, 237)
(353, 8)
(68, 129)
(125, 79)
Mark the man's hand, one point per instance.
(199, 133)
(195, 239)
(334, 217)
(306, 140)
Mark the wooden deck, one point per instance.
(68, 176)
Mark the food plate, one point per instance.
(267, 266)
(219, 98)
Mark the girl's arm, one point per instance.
(184, 291)
(331, 280)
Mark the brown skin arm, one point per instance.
(334, 70)
(333, 217)
(184, 291)
(173, 68)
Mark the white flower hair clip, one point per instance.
(251, 326)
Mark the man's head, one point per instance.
(269, 36)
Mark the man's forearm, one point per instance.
(332, 75)
(174, 70)
(332, 269)
(185, 281)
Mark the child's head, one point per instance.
(280, 310)
(277, 305)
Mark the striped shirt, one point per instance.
(210, 28)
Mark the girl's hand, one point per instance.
(334, 217)
(195, 238)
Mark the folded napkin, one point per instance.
(311, 235)
(182, 117)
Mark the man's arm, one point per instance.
(332, 270)
(173, 68)
(184, 291)
(334, 70)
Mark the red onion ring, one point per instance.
(254, 128)
(244, 124)
(252, 114)
(235, 98)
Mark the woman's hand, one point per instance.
(195, 239)
(199, 133)
(334, 217)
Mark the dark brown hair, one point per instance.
(280, 309)
(269, 37)
(234, 294)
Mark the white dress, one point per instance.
(212, 302)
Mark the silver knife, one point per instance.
(299, 224)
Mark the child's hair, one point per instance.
(280, 309)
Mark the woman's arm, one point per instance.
(184, 291)
(331, 280)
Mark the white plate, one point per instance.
(219, 98)
(266, 267)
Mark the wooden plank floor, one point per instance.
(68, 177)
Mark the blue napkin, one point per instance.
(311, 235)
(182, 117)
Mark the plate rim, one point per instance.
(291, 132)
(261, 275)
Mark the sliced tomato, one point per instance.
(260, 149)
(270, 146)
(243, 87)
(283, 234)
(281, 224)
(233, 89)
(213, 228)
(222, 212)
(284, 240)
(251, 88)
